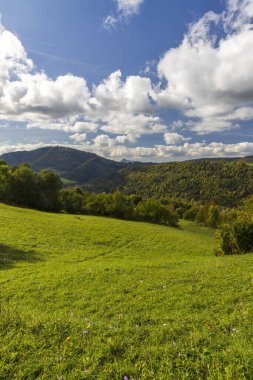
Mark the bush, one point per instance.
(71, 200)
(191, 213)
(235, 238)
(228, 215)
(213, 217)
(226, 242)
(202, 215)
(243, 232)
(154, 212)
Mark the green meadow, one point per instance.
(97, 298)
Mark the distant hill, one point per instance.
(224, 180)
(247, 159)
(71, 164)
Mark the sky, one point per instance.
(148, 80)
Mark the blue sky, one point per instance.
(72, 29)
(142, 79)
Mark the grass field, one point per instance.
(94, 298)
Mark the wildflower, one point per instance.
(180, 354)
(126, 378)
(85, 332)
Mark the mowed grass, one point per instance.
(96, 298)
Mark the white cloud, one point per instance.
(114, 106)
(129, 7)
(207, 78)
(110, 22)
(125, 10)
(68, 127)
(103, 141)
(131, 138)
(213, 76)
(105, 146)
(29, 95)
(174, 138)
(106, 141)
(66, 103)
(113, 94)
(180, 124)
(125, 107)
(78, 137)
(239, 14)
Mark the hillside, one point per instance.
(87, 297)
(225, 181)
(70, 164)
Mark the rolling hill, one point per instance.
(225, 181)
(71, 164)
(96, 298)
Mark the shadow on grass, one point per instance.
(10, 256)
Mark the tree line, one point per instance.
(118, 205)
(21, 186)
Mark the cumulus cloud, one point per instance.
(66, 103)
(106, 146)
(130, 138)
(125, 10)
(208, 78)
(106, 141)
(29, 95)
(68, 127)
(174, 138)
(212, 75)
(78, 137)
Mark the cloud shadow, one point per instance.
(10, 256)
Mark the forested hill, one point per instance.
(225, 181)
(201, 180)
(70, 164)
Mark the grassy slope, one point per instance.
(96, 298)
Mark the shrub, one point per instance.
(71, 200)
(226, 242)
(191, 213)
(153, 211)
(235, 238)
(213, 217)
(202, 214)
(243, 232)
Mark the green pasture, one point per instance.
(86, 297)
